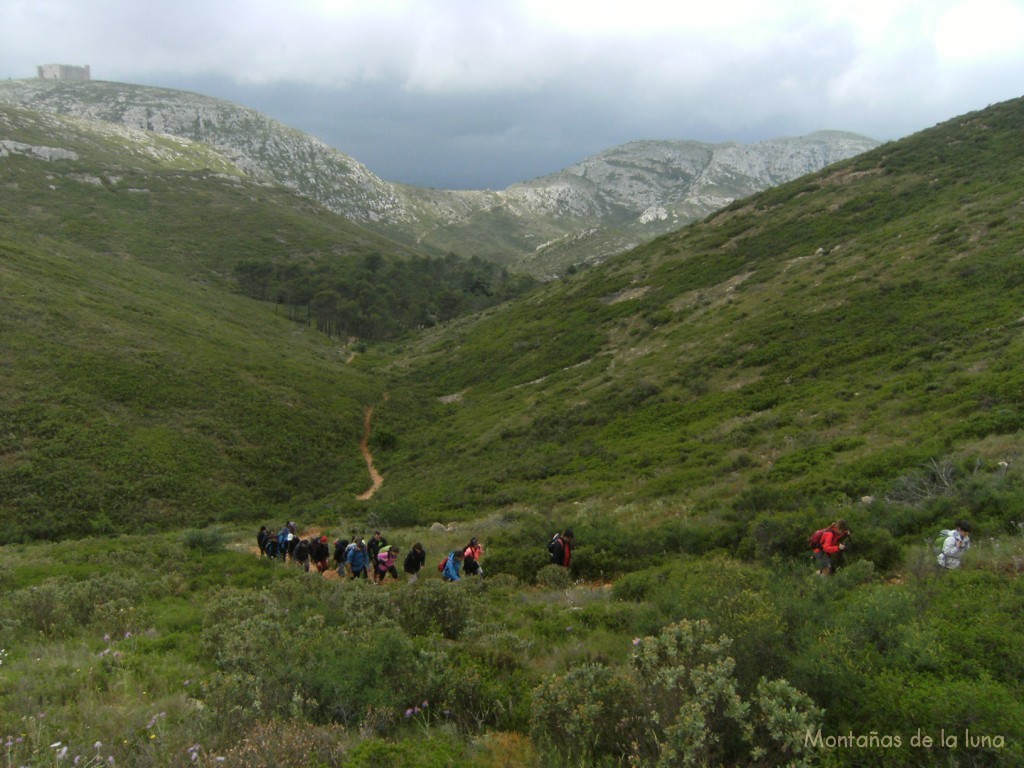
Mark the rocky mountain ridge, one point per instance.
(601, 206)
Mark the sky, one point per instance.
(479, 94)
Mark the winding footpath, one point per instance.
(364, 447)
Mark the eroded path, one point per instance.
(376, 480)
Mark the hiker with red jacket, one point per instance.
(828, 545)
(560, 548)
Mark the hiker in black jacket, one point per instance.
(301, 554)
(414, 561)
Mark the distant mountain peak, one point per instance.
(602, 205)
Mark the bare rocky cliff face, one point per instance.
(582, 214)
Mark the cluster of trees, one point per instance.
(374, 297)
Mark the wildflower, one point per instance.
(55, 745)
(637, 641)
(425, 704)
(63, 753)
(97, 745)
(408, 712)
(110, 760)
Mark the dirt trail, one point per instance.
(364, 447)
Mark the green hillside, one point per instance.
(825, 340)
(845, 346)
(141, 390)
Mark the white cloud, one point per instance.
(980, 31)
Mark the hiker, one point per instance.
(282, 542)
(270, 545)
(471, 558)
(321, 553)
(339, 552)
(955, 543)
(301, 554)
(414, 561)
(452, 564)
(827, 546)
(261, 540)
(560, 548)
(374, 545)
(386, 559)
(356, 561)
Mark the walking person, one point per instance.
(356, 561)
(452, 566)
(560, 548)
(954, 544)
(471, 555)
(386, 560)
(375, 545)
(321, 554)
(301, 554)
(414, 562)
(827, 546)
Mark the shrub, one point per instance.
(274, 743)
(204, 540)
(591, 715)
(435, 606)
(554, 577)
(701, 716)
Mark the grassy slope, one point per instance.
(139, 392)
(820, 340)
(185, 402)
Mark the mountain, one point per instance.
(825, 339)
(845, 335)
(846, 345)
(142, 390)
(581, 215)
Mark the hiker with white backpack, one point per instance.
(953, 545)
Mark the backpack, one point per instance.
(443, 563)
(940, 540)
(815, 538)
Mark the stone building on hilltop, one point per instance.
(62, 72)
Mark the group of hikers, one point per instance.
(829, 544)
(358, 558)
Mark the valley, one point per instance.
(191, 348)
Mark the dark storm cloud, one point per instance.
(477, 94)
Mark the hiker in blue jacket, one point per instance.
(452, 567)
(357, 561)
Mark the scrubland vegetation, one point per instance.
(844, 346)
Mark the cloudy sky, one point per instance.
(483, 93)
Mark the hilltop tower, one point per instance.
(62, 72)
